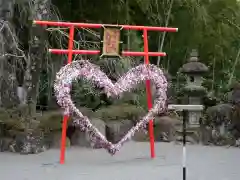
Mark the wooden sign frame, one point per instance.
(111, 44)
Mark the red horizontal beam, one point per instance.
(89, 25)
(95, 52)
(132, 53)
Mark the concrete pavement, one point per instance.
(131, 163)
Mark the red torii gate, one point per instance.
(70, 51)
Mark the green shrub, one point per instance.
(120, 112)
(15, 118)
(52, 120)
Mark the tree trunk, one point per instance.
(32, 140)
(39, 10)
(8, 81)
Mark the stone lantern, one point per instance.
(193, 90)
(170, 89)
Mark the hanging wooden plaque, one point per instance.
(111, 45)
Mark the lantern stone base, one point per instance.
(192, 135)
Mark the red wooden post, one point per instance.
(149, 95)
(70, 51)
(65, 117)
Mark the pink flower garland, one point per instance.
(88, 71)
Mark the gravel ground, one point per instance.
(131, 163)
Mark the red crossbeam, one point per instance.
(96, 52)
(70, 51)
(88, 25)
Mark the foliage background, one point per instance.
(211, 26)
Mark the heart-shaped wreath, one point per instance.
(88, 71)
